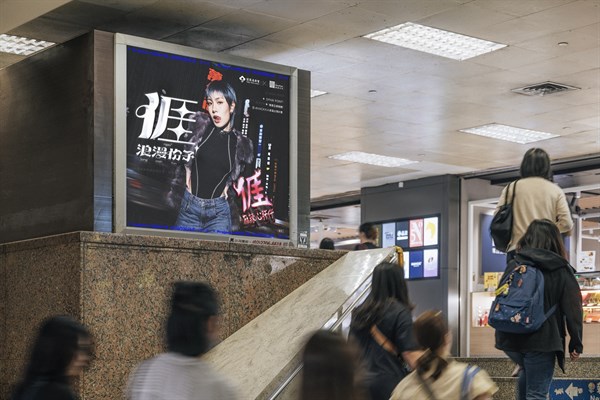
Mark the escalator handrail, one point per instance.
(359, 299)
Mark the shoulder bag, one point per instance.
(501, 226)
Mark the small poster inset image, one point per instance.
(430, 231)
(430, 263)
(388, 234)
(416, 264)
(406, 256)
(402, 234)
(416, 233)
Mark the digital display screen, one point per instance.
(207, 146)
(419, 239)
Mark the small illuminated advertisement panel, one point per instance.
(419, 239)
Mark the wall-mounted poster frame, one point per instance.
(172, 144)
(419, 238)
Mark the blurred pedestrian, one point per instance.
(435, 376)
(192, 327)
(60, 352)
(367, 234)
(331, 369)
(382, 327)
(327, 244)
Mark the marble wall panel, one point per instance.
(2, 319)
(38, 282)
(119, 286)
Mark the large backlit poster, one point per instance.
(207, 146)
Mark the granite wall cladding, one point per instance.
(119, 286)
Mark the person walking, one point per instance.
(382, 327)
(367, 234)
(330, 369)
(435, 373)
(535, 197)
(60, 353)
(537, 352)
(192, 327)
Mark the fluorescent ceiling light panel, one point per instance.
(435, 41)
(509, 133)
(20, 45)
(317, 93)
(372, 159)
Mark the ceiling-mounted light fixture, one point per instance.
(509, 133)
(21, 45)
(372, 159)
(435, 41)
(316, 93)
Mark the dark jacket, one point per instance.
(54, 389)
(242, 164)
(365, 246)
(560, 287)
(385, 370)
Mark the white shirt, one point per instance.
(171, 376)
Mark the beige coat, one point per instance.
(536, 198)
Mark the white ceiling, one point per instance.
(421, 100)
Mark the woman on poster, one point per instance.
(222, 155)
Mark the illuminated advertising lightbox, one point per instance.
(419, 239)
(203, 143)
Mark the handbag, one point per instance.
(501, 226)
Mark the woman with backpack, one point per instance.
(542, 247)
(436, 377)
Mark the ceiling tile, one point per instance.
(249, 24)
(208, 39)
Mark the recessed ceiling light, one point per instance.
(316, 93)
(372, 159)
(509, 133)
(21, 45)
(435, 41)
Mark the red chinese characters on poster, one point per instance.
(416, 233)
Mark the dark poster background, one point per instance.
(155, 161)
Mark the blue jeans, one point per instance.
(204, 215)
(537, 369)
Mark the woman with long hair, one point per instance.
(435, 373)
(542, 246)
(382, 327)
(535, 197)
(330, 369)
(59, 355)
